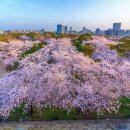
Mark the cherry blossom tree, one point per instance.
(9, 51)
(59, 76)
(100, 43)
(110, 55)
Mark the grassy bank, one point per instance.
(123, 48)
(87, 49)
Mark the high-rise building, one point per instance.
(127, 32)
(116, 31)
(84, 29)
(60, 29)
(66, 29)
(121, 33)
(42, 30)
(116, 26)
(70, 29)
(111, 32)
(98, 32)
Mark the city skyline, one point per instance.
(32, 14)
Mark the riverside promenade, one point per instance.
(68, 125)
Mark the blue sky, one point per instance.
(36, 14)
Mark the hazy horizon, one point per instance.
(37, 14)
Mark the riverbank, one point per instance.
(2, 70)
(68, 125)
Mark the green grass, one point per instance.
(18, 114)
(10, 36)
(35, 48)
(13, 67)
(122, 49)
(43, 114)
(15, 36)
(6, 38)
(87, 49)
(125, 39)
(74, 114)
(55, 114)
(124, 110)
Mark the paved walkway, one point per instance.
(2, 70)
(68, 125)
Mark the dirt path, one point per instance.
(2, 70)
(68, 125)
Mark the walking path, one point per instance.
(68, 125)
(2, 70)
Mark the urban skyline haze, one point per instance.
(36, 14)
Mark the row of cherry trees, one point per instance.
(59, 76)
(9, 51)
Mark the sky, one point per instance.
(37, 14)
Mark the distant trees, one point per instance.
(50, 35)
(6, 38)
(10, 36)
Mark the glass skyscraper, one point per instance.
(60, 29)
(116, 26)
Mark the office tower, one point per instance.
(121, 33)
(60, 29)
(70, 29)
(98, 32)
(127, 32)
(42, 30)
(111, 32)
(84, 29)
(116, 26)
(66, 29)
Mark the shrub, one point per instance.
(13, 67)
(18, 114)
(122, 49)
(87, 49)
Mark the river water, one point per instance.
(2, 70)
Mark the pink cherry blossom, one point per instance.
(59, 76)
(9, 51)
(100, 43)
